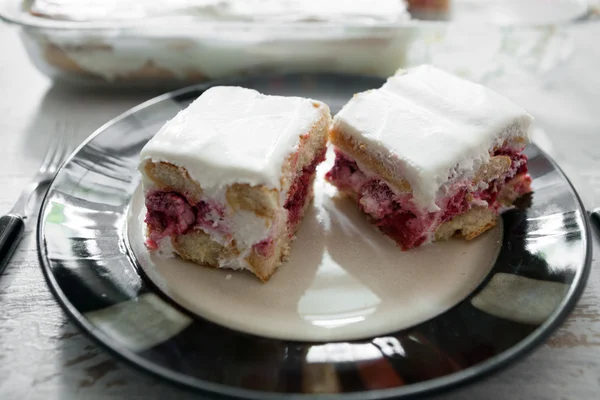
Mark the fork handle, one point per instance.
(11, 231)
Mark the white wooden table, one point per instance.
(44, 356)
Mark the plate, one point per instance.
(520, 282)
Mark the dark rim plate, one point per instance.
(544, 264)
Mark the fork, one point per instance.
(12, 224)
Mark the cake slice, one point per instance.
(227, 180)
(430, 155)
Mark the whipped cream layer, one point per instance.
(235, 135)
(227, 10)
(430, 127)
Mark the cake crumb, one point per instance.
(228, 277)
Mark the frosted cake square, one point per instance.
(430, 155)
(227, 180)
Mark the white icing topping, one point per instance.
(428, 126)
(313, 10)
(235, 135)
(227, 10)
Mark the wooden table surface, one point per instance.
(44, 356)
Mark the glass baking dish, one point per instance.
(174, 51)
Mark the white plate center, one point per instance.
(344, 280)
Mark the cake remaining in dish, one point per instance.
(430, 155)
(186, 41)
(227, 181)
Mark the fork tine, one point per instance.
(59, 153)
(65, 145)
(70, 141)
(68, 135)
(53, 147)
